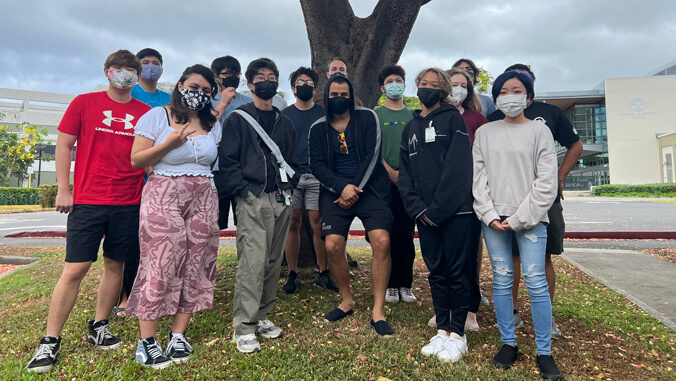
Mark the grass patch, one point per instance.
(666, 254)
(9, 209)
(637, 195)
(605, 336)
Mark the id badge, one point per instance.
(283, 176)
(287, 200)
(213, 185)
(430, 135)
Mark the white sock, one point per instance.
(174, 334)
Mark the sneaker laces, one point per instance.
(178, 343)
(154, 350)
(102, 333)
(438, 337)
(392, 292)
(247, 339)
(44, 351)
(406, 291)
(266, 324)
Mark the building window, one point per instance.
(589, 121)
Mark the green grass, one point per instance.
(595, 321)
(638, 195)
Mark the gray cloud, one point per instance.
(571, 44)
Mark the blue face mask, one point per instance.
(151, 72)
(394, 90)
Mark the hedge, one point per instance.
(49, 191)
(657, 190)
(19, 196)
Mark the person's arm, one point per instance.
(227, 95)
(229, 166)
(320, 169)
(144, 154)
(483, 205)
(371, 127)
(291, 156)
(414, 204)
(569, 160)
(392, 173)
(455, 184)
(543, 190)
(64, 147)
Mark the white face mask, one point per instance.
(122, 79)
(512, 104)
(458, 95)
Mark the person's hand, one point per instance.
(505, 225)
(178, 137)
(64, 202)
(394, 176)
(227, 95)
(424, 220)
(343, 204)
(351, 193)
(561, 189)
(497, 225)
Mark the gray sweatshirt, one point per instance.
(515, 173)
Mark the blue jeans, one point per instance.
(532, 244)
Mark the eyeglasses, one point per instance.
(398, 80)
(301, 82)
(261, 77)
(229, 74)
(343, 145)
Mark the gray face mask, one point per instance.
(458, 95)
(511, 104)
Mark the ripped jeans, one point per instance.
(532, 244)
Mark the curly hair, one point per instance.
(444, 82)
(472, 102)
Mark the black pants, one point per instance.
(223, 203)
(402, 248)
(448, 251)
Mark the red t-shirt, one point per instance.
(473, 120)
(104, 128)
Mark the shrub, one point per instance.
(641, 190)
(19, 196)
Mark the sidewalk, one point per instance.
(645, 280)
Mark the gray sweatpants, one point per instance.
(262, 227)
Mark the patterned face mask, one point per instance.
(195, 99)
(122, 79)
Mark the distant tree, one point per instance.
(484, 81)
(367, 44)
(411, 102)
(16, 144)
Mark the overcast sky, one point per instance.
(60, 46)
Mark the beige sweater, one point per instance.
(515, 173)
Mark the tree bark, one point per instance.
(366, 44)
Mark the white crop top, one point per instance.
(193, 158)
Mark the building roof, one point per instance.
(668, 69)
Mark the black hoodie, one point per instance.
(241, 160)
(435, 178)
(364, 125)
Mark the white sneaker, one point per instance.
(484, 299)
(453, 348)
(247, 343)
(268, 329)
(436, 344)
(470, 323)
(556, 332)
(392, 295)
(406, 295)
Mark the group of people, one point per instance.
(205, 148)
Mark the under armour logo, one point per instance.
(541, 120)
(109, 119)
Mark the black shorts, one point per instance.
(88, 224)
(370, 209)
(555, 231)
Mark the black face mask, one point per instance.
(305, 92)
(265, 89)
(338, 105)
(429, 97)
(231, 81)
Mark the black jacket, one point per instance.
(241, 159)
(436, 177)
(372, 174)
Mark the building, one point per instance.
(628, 133)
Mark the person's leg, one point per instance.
(293, 240)
(320, 250)
(179, 323)
(555, 233)
(460, 238)
(254, 220)
(111, 280)
(550, 274)
(278, 234)
(499, 248)
(532, 245)
(64, 296)
(380, 270)
(402, 246)
(148, 328)
(335, 252)
(431, 245)
(516, 260)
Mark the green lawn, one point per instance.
(605, 336)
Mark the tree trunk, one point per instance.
(366, 44)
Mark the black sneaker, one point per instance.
(178, 349)
(100, 336)
(325, 281)
(149, 354)
(507, 355)
(548, 368)
(292, 283)
(45, 356)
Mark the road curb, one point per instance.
(651, 235)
